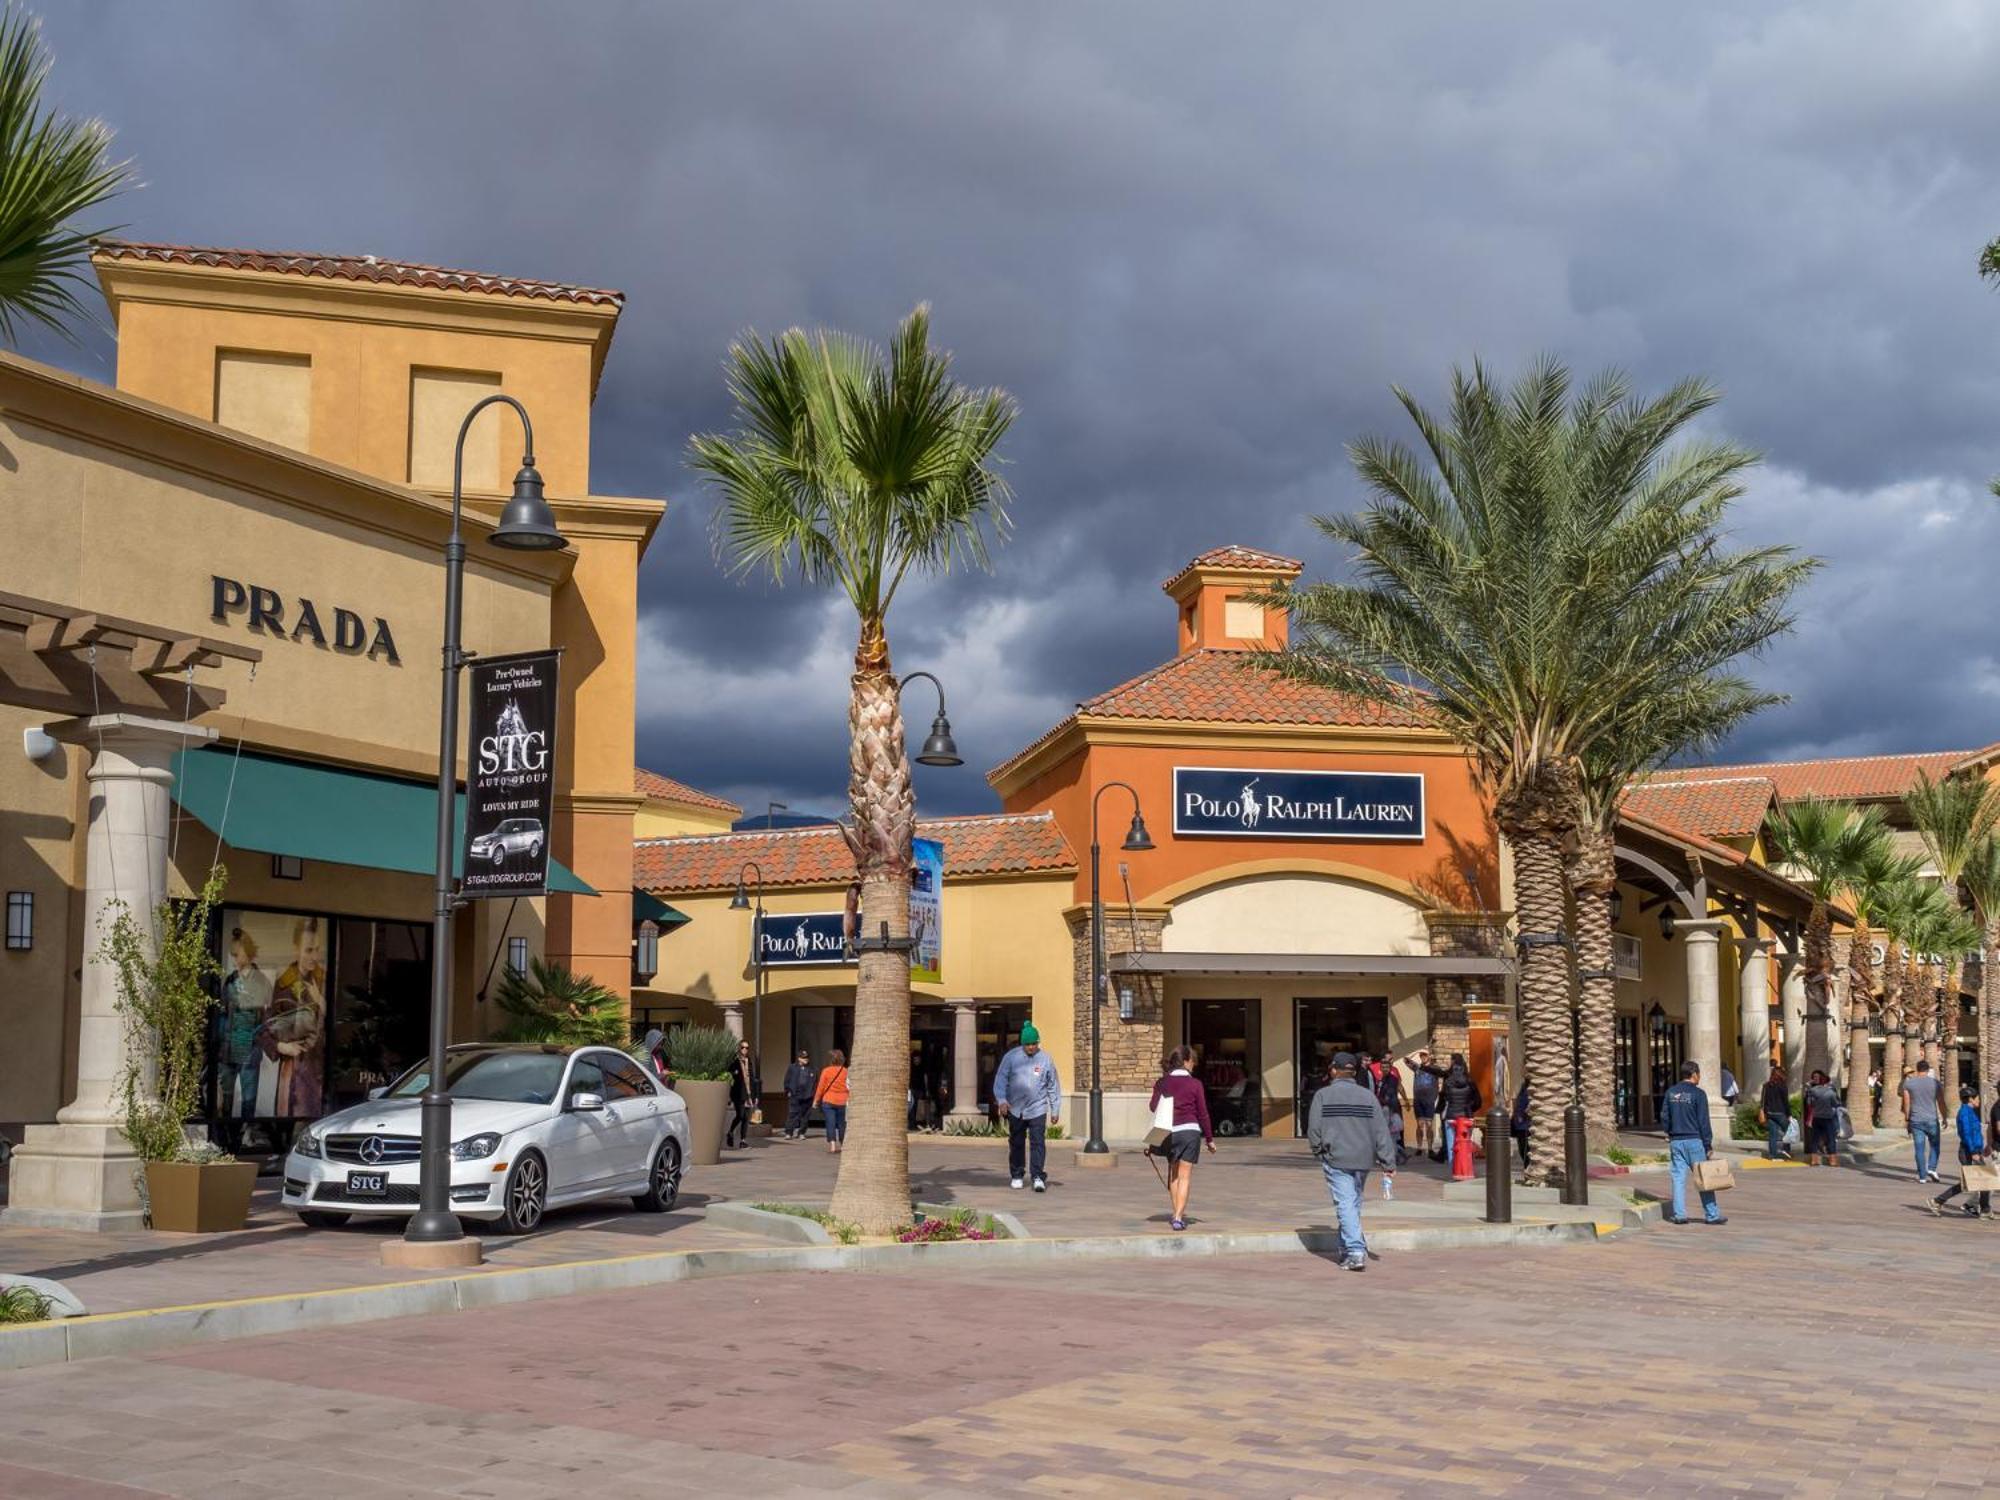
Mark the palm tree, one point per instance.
(1981, 879)
(856, 468)
(1953, 817)
(52, 169)
(1532, 583)
(551, 1003)
(1706, 710)
(1831, 845)
(1880, 872)
(1907, 911)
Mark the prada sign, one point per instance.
(266, 612)
(1214, 802)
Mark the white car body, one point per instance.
(610, 1129)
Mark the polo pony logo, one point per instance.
(1247, 798)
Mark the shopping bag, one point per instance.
(1979, 1176)
(1713, 1176)
(1791, 1136)
(1163, 1124)
(1846, 1130)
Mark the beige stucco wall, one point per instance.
(667, 820)
(1295, 914)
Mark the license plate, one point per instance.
(367, 1184)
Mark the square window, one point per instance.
(287, 867)
(20, 921)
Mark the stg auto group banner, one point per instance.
(510, 774)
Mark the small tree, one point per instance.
(549, 1003)
(165, 971)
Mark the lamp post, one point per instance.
(526, 525)
(1137, 842)
(940, 749)
(741, 902)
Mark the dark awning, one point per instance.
(646, 907)
(1420, 965)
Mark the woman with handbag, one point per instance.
(1188, 1131)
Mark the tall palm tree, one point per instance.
(1535, 580)
(52, 170)
(1953, 817)
(856, 468)
(1956, 934)
(1981, 879)
(1830, 844)
(1696, 718)
(1881, 872)
(1908, 910)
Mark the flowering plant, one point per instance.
(936, 1231)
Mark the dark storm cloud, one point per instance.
(1199, 245)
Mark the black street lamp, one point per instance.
(1136, 842)
(939, 749)
(526, 525)
(741, 902)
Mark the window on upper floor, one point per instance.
(267, 395)
(439, 400)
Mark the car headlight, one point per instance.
(308, 1144)
(475, 1146)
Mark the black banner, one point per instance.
(510, 780)
(1212, 801)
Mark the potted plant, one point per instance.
(164, 973)
(701, 1058)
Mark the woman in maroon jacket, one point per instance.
(1191, 1129)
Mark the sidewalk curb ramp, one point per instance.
(99, 1335)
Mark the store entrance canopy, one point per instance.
(646, 907)
(317, 812)
(1343, 964)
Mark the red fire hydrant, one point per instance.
(1461, 1149)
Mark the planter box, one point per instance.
(199, 1198)
(708, 1116)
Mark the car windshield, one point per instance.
(513, 1077)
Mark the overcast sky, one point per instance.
(1198, 244)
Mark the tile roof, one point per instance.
(652, 784)
(368, 268)
(1724, 807)
(1864, 776)
(986, 844)
(1240, 560)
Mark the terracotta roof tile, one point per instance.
(665, 789)
(1864, 776)
(1239, 560)
(988, 844)
(368, 268)
(1717, 807)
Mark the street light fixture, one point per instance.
(526, 525)
(1137, 841)
(939, 749)
(741, 902)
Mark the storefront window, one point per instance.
(818, 1029)
(999, 1029)
(381, 1005)
(1327, 1027)
(272, 1021)
(1228, 1038)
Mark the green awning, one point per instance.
(316, 812)
(646, 906)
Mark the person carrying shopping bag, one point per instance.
(1180, 1100)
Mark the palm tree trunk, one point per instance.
(1989, 993)
(1819, 990)
(1923, 981)
(873, 1189)
(1538, 823)
(1948, 1010)
(1860, 999)
(1593, 877)
(1895, 1018)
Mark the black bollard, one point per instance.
(1499, 1176)
(1576, 1156)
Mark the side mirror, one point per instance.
(581, 1102)
(377, 1093)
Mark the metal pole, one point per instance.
(1095, 1145)
(1499, 1168)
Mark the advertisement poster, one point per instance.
(510, 774)
(271, 1050)
(927, 910)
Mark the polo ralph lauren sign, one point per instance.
(795, 940)
(1215, 802)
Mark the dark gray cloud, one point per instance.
(1199, 245)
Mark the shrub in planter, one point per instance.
(164, 971)
(700, 1058)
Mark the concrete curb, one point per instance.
(787, 1229)
(103, 1334)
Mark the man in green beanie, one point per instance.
(1030, 1098)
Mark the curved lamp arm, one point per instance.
(458, 450)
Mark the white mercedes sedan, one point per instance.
(532, 1128)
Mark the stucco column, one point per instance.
(965, 1061)
(732, 1018)
(1792, 1008)
(81, 1173)
(1704, 1001)
(1753, 1019)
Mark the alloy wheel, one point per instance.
(527, 1193)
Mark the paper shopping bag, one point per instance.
(1713, 1176)
(1162, 1129)
(1979, 1177)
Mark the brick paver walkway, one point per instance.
(1832, 1340)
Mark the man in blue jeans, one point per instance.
(1684, 1117)
(1030, 1098)
(1349, 1134)
(1920, 1118)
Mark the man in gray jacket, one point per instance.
(1348, 1134)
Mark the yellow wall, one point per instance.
(657, 819)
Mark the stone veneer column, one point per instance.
(1704, 1002)
(81, 1172)
(1132, 1049)
(1753, 1014)
(1450, 1000)
(965, 1061)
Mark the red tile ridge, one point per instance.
(369, 268)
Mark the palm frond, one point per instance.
(1953, 817)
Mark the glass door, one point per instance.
(1625, 1074)
(1327, 1027)
(1227, 1036)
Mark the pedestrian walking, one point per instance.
(1517, 1124)
(1460, 1101)
(1774, 1113)
(1190, 1131)
(1822, 1107)
(1971, 1150)
(830, 1094)
(746, 1087)
(654, 1047)
(1389, 1090)
(1684, 1114)
(1919, 1094)
(1349, 1136)
(799, 1081)
(1424, 1077)
(1029, 1096)
(1730, 1093)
